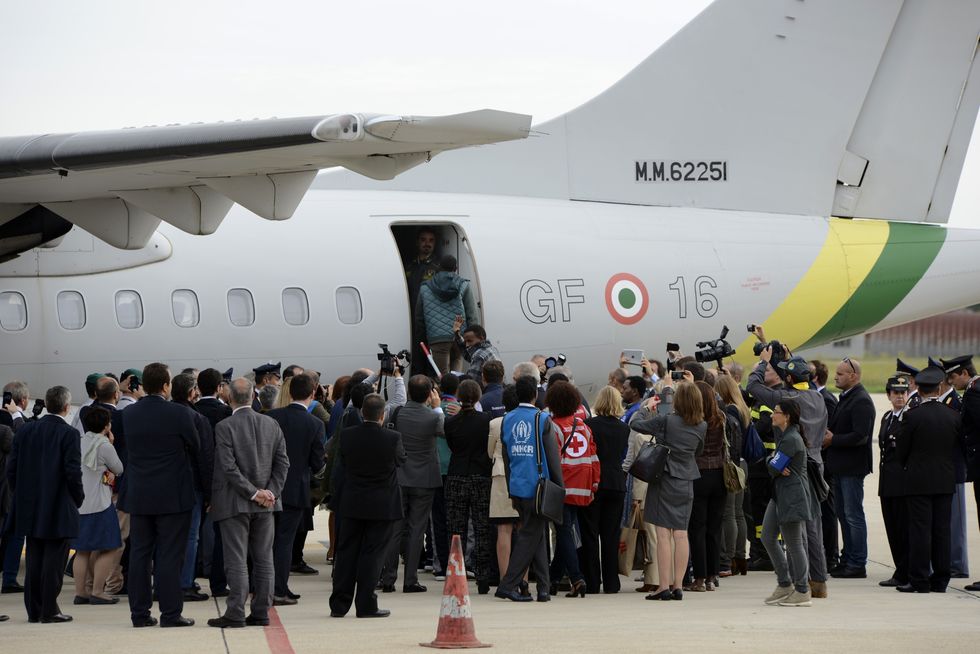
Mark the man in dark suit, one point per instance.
(251, 467)
(419, 424)
(163, 447)
(305, 436)
(211, 382)
(45, 475)
(184, 388)
(208, 405)
(925, 443)
(891, 483)
(847, 446)
(369, 503)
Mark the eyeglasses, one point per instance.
(848, 361)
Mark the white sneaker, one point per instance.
(797, 599)
(440, 577)
(781, 593)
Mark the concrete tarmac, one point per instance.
(857, 616)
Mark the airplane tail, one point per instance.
(811, 107)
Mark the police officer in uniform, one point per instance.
(959, 561)
(924, 447)
(267, 373)
(891, 483)
(961, 374)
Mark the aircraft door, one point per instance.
(450, 239)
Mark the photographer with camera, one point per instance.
(795, 373)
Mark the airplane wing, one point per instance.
(120, 184)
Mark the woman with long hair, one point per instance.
(734, 531)
(789, 509)
(669, 501)
(709, 495)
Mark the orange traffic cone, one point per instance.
(455, 619)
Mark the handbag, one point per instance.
(752, 449)
(818, 485)
(732, 473)
(627, 541)
(549, 497)
(651, 461)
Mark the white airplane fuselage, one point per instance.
(544, 271)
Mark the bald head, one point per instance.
(848, 374)
(240, 393)
(107, 390)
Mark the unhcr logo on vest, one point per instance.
(521, 432)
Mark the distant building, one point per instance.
(950, 334)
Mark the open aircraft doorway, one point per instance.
(450, 239)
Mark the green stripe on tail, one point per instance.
(910, 250)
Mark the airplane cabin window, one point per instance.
(241, 307)
(71, 310)
(129, 309)
(295, 306)
(13, 311)
(187, 311)
(349, 309)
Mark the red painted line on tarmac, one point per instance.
(276, 636)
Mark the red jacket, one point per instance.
(579, 462)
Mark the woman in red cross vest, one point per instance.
(580, 470)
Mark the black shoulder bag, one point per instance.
(549, 497)
(651, 461)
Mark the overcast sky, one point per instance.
(102, 64)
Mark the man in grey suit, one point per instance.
(420, 422)
(249, 473)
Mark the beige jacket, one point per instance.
(500, 504)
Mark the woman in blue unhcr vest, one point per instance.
(523, 431)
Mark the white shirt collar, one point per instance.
(241, 408)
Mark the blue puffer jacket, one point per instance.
(441, 299)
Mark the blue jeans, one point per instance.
(849, 506)
(566, 554)
(190, 554)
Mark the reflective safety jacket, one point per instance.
(579, 461)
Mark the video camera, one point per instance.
(715, 350)
(389, 361)
(778, 351)
(552, 362)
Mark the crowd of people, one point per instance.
(160, 479)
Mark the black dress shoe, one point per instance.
(80, 600)
(191, 595)
(387, 588)
(304, 568)
(664, 595)
(282, 600)
(959, 575)
(543, 597)
(11, 588)
(850, 573)
(57, 617)
(33, 620)
(219, 593)
(98, 601)
(4, 618)
(975, 586)
(937, 589)
(252, 621)
(890, 583)
(512, 596)
(760, 565)
(179, 622)
(909, 588)
(337, 614)
(291, 595)
(225, 623)
(380, 613)
(677, 594)
(482, 587)
(414, 588)
(145, 622)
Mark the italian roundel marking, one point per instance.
(626, 298)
